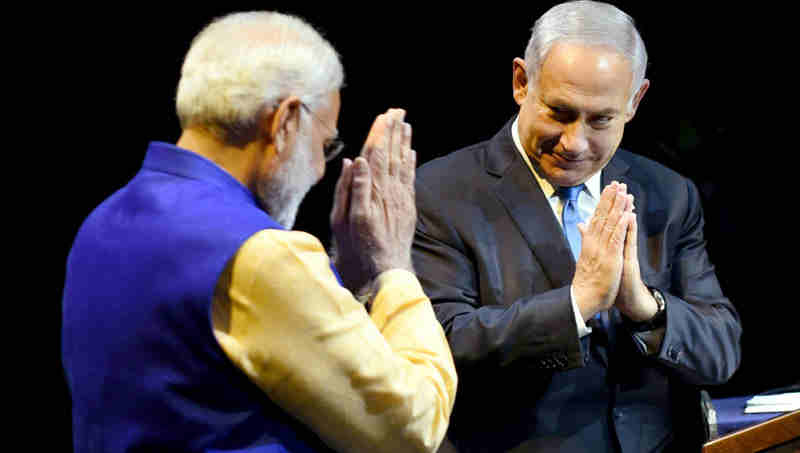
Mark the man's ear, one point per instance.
(637, 98)
(284, 123)
(520, 80)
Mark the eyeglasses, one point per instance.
(333, 147)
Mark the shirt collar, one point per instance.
(592, 184)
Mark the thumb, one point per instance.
(341, 195)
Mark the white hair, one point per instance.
(588, 23)
(242, 63)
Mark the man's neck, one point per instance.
(241, 163)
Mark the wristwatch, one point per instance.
(658, 320)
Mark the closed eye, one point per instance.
(561, 114)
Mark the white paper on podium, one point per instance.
(782, 402)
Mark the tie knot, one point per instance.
(569, 193)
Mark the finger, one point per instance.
(341, 194)
(361, 191)
(408, 159)
(616, 241)
(413, 166)
(630, 218)
(378, 158)
(374, 136)
(398, 115)
(406, 145)
(616, 216)
(631, 239)
(391, 128)
(395, 150)
(598, 221)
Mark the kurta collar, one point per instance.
(168, 158)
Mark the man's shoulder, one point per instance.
(649, 171)
(469, 158)
(155, 207)
(665, 186)
(458, 178)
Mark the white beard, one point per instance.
(282, 194)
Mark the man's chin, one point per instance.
(565, 178)
(283, 209)
(287, 221)
(562, 173)
(287, 215)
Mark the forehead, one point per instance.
(577, 73)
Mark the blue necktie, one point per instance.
(571, 217)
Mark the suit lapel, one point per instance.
(617, 170)
(527, 206)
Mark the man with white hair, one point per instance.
(576, 323)
(194, 320)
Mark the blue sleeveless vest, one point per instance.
(144, 369)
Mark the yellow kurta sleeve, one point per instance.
(379, 383)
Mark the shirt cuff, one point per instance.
(404, 289)
(580, 324)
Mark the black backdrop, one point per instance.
(708, 114)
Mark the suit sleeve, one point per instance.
(703, 331)
(537, 331)
(379, 382)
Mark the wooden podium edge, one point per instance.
(774, 431)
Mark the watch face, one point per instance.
(659, 299)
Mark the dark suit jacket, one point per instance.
(493, 259)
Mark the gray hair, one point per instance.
(589, 23)
(242, 63)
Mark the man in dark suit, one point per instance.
(571, 277)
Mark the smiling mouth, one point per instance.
(566, 159)
(569, 158)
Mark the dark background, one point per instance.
(710, 113)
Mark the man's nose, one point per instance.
(573, 138)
